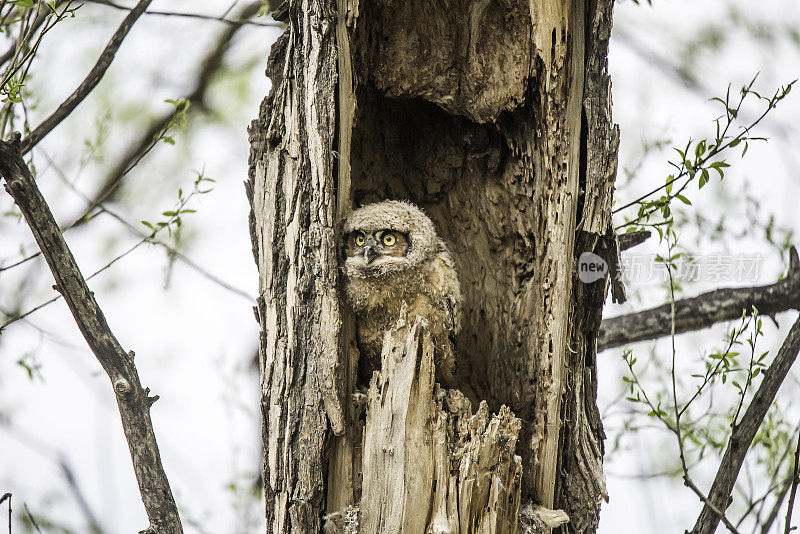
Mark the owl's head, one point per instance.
(387, 237)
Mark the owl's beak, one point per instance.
(369, 253)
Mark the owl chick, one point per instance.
(392, 256)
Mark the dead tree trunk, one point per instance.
(494, 116)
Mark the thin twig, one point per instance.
(707, 503)
(687, 480)
(720, 361)
(135, 230)
(12, 50)
(678, 412)
(52, 300)
(773, 485)
(714, 149)
(90, 82)
(752, 503)
(766, 527)
(7, 496)
(31, 518)
(223, 18)
(83, 504)
(196, 98)
(143, 238)
(26, 32)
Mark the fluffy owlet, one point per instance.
(392, 255)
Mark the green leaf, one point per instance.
(718, 166)
(683, 199)
(700, 149)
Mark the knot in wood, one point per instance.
(15, 185)
(122, 386)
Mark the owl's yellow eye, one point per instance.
(359, 240)
(389, 240)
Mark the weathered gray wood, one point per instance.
(398, 437)
(632, 239)
(430, 466)
(133, 400)
(292, 191)
(344, 467)
(581, 485)
(536, 519)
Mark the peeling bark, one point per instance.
(293, 221)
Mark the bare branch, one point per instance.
(631, 239)
(3, 499)
(237, 21)
(792, 493)
(90, 82)
(211, 65)
(743, 434)
(766, 526)
(31, 518)
(704, 310)
(133, 400)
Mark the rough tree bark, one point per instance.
(495, 117)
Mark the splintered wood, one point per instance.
(429, 464)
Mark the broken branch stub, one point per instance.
(429, 464)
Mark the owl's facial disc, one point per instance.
(374, 253)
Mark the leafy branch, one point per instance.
(172, 223)
(698, 159)
(34, 22)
